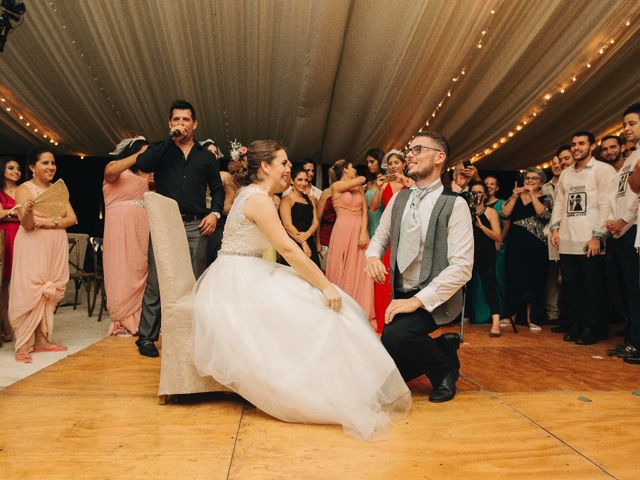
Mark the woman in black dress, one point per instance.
(299, 214)
(486, 232)
(527, 253)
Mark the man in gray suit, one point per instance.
(430, 234)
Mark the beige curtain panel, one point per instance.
(332, 78)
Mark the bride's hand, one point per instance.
(332, 297)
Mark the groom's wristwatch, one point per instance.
(217, 214)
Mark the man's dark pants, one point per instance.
(150, 319)
(408, 342)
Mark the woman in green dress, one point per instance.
(481, 312)
(375, 178)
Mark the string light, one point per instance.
(462, 72)
(561, 87)
(14, 110)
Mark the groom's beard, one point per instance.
(418, 174)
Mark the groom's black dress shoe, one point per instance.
(449, 344)
(148, 349)
(446, 390)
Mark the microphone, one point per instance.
(175, 133)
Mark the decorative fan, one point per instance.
(52, 201)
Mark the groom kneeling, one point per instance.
(430, 235)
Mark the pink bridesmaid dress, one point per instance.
(346, 260)
(38, 279)
(126, 240)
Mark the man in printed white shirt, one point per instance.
(583, 204)
(622, 257)
(429, 232)
(631, 127)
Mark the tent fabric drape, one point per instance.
(331, 78)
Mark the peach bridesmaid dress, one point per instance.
(126, 242)
(346, 260)
(38, 279)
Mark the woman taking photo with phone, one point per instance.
(486, 232)
(526, 254)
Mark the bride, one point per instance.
(285, 338)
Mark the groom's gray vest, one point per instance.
(434, 256)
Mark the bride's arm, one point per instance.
(260, 210)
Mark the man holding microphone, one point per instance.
(182, 171)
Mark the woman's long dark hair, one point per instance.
(297, 168)
(3, 166)
(378, 155)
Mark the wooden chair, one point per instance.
(178, 374)
(98, 278)
(77, 274)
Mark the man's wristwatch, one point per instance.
(217, 214)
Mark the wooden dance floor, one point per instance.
(530, 406)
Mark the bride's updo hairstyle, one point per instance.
(259, 151)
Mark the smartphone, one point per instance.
(520, 180)
(466, 163)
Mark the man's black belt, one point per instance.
(191, 217)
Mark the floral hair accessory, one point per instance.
(237, 150)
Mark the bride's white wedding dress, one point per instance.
(267, 334)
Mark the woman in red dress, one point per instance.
(393, 163)
(9, 223)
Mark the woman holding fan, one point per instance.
(40, 260)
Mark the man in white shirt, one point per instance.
(313, 191)
(430, 235)
(578, 225)
(622, 271)
(631, 126)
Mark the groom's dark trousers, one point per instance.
(408, 342)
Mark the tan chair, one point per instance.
(178, 375)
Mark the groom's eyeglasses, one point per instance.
(417, 150)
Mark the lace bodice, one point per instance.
(241, 235)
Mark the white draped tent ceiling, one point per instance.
(330, 78)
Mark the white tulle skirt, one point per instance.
(263, 331)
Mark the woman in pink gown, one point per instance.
(9, 223)
(40, 262)
(126, 238)
(349, 238)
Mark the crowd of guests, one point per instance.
(549, 251)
